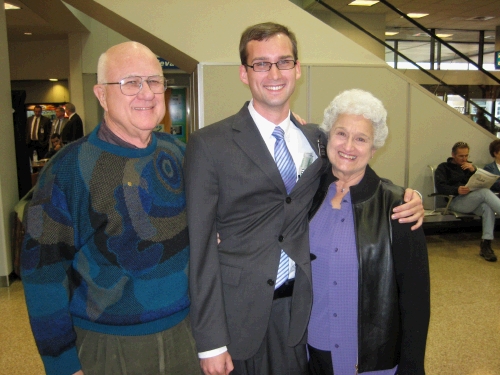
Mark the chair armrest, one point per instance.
(449, 197)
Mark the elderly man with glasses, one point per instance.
(451, 178)
(104, 261)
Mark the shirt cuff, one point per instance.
(212, 353)
(420, 195)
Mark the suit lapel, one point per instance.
(248, 138)
(316, 168)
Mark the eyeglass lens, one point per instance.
(265, 66)
(132, 85)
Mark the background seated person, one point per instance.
(55, 140)
(494, 166)
(451, 178)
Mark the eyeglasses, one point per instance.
(265, 66)
(133, 85)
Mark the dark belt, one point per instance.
(285, 290)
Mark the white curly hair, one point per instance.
(358, 102)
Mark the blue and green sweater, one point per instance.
(106, 246)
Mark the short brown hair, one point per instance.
(264, 31)
(494, 147)
(458, 145)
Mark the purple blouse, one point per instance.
(334, 315)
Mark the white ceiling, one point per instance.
(51, 19)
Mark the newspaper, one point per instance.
(481, 179)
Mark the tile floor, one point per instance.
(464, 333)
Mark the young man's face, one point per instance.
(460, 156)
(271, 90)
(55, 142)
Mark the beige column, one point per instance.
(8, 171)
(76, 42)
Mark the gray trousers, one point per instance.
(171, 352)
(481, 202)
(274, 356)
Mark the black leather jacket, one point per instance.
(394, 301)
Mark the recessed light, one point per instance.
(9, 6)
(53, 79)
(444, 35)
(417, 15)
(390, 33)
(422, 34)
(363, 3)
(28, 33)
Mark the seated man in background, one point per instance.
(494, 166)
(55, 140)
(451, 178)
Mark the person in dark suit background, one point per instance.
(243, 315)
(74, 127)
(59, 122)
(38, 133)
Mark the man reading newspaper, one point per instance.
(452, 178)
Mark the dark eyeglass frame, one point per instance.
(270, 65)
(146, 79)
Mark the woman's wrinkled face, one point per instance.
(350, 145)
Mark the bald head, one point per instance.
(131, 114)
(122, 53)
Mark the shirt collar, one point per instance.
(265, 126)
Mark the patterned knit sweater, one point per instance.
(106, 246)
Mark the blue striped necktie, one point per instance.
(288, 172)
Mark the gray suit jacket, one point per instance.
(54, 124)
(234, 188)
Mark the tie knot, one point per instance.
(278, 133)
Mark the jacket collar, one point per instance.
(360, 192)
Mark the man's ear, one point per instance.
(100, 94)
(243, 74)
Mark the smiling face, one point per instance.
(271, 90)
(130, 117)
(350, 146)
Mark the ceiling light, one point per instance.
(417, 15)
(444, 35)
(421, 34)
(28, 33)
(363, 3)
(391, 33)
(8, 6)
(53, 79)
(480, 18)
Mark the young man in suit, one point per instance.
(73, 129)
(38, 133)
(243, 315)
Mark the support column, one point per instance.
(8, 170)
(75, 83)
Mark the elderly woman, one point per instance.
(371, 310)
(493, 167)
